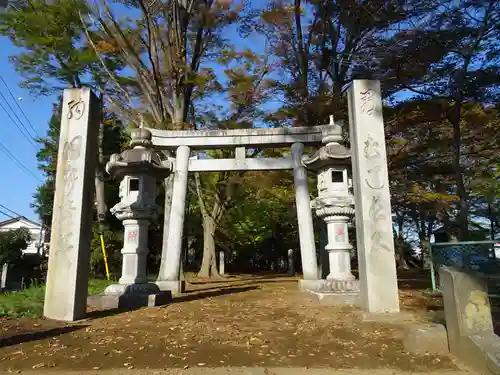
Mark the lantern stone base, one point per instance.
(129, 300)
(130, 296)
(341, 286)
(174, 286)
(332, 292)
(308, 285)
(330, 286)
(335, 299)
(139, 288)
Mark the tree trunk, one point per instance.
(491, 217)
(463, 207)
(100, 197)
(401, 262)
(209, 262)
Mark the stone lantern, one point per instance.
(138, 169)
(335, 205)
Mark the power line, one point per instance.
(14, 113)
(26, 136)
(16, 161)
(6, 214)
(8, 209)
(18, 106)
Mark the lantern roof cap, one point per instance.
(141, 159)
(332, 152)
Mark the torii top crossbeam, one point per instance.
(256, 137)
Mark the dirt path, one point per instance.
(251, 371)
(256, 322)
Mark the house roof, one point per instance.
(19, 218)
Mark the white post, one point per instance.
(291, 266)
(374, 231)
(71, 234)
(170, 279)
(222, 263)
(3, 280)
(304, 215)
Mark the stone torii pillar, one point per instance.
(170, 278)
(374, 231)
(305, 221)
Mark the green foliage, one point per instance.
(26, 303)
(12, 243)
(55, 54)
(97, 286)
(113, 242)
(51, 35)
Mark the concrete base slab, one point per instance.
(175, 287)
(335, 299)
(129, 300)
(347, 286)
(402, 317)
(311, 285)
(426, 338)
(144, 288)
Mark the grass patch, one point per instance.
(97, 286)
(29, 302)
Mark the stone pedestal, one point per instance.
(135, 252)
(333, 293)
(338, 247)
(119, 296)
(335, 298)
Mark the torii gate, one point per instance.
(69, 253)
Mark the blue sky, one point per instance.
(17, 186)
